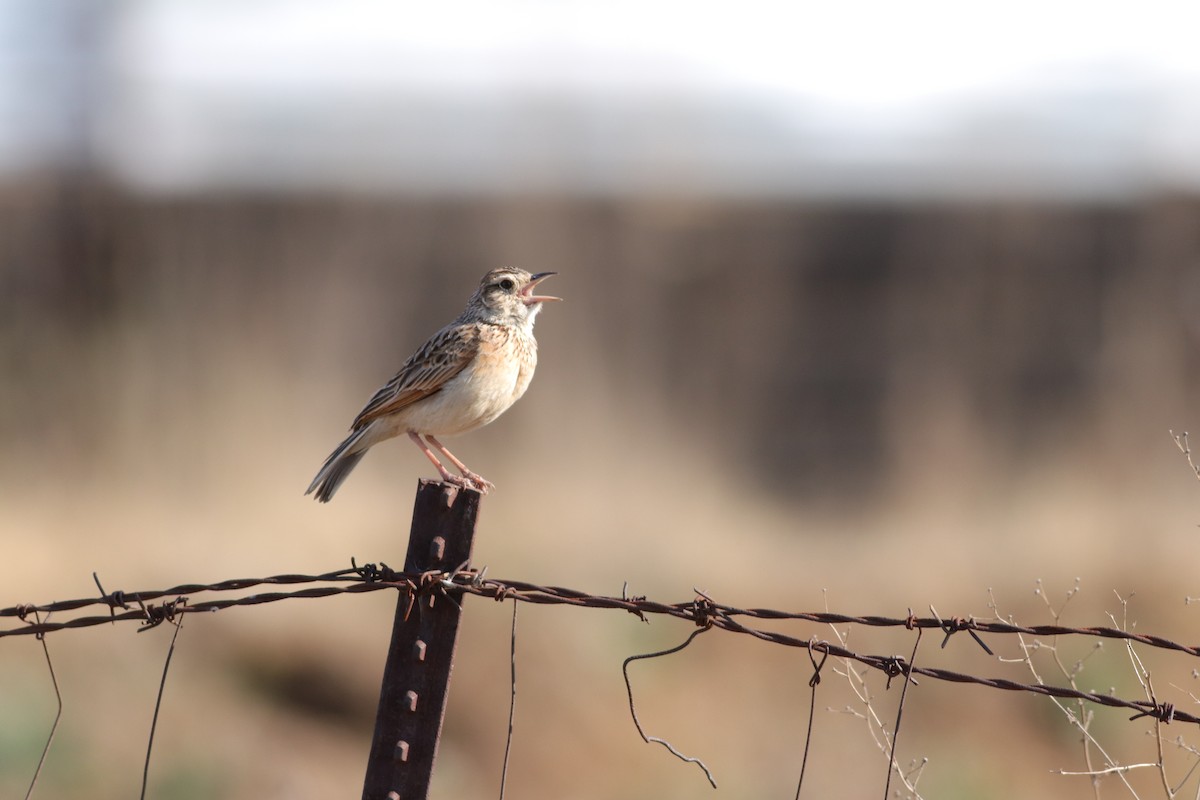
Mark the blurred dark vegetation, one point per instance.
(841, 352)
(807, 337)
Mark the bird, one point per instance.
(467, 374)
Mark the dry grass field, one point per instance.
(867, 409)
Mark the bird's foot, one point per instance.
(454, 480)
(469, 481)
(478, 482)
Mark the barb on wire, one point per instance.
(372, 573)
(158, 614)
(115, 600)
(956, 624)
(57, 714)
(1162, 712)
(635, 599)
(633, 711)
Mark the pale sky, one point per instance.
(878, 53)
(722, 92)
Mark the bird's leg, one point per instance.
(445, 473)
(479, 482)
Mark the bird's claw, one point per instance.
(478, 483)
(470, 481)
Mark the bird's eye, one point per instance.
(507, 284)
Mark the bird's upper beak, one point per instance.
(527, 294)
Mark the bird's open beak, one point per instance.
(529, 297)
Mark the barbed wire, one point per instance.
(703, 611)
(151, 608)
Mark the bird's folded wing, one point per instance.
(426, 372)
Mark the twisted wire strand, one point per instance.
(141, 606)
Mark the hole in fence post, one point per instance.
(416, 676)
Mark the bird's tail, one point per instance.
(339, 464)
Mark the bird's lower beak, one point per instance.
(529, 297)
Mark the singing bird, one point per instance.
(466, 375)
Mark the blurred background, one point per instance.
(869, 306)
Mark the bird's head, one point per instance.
(506, 295)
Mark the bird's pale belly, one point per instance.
(471, 399)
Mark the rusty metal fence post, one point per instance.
(416, 677)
